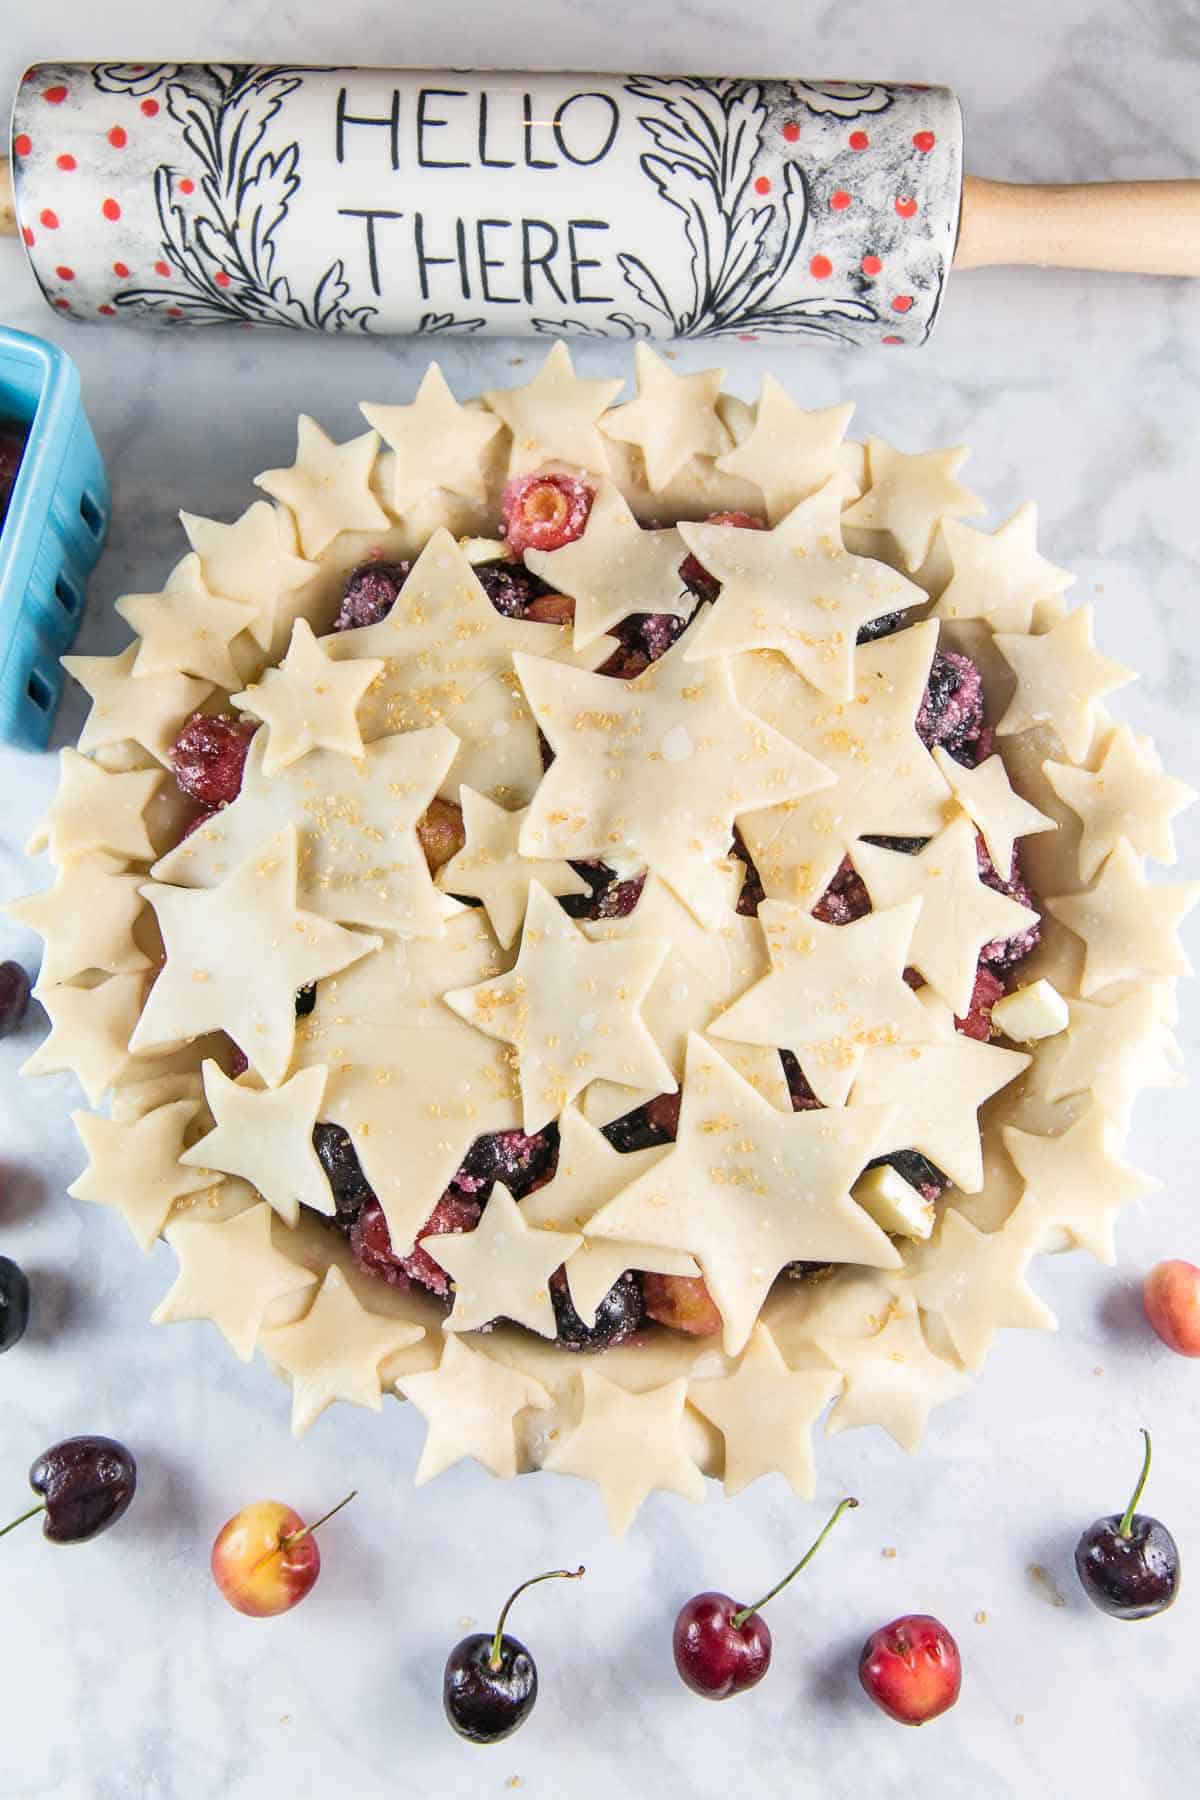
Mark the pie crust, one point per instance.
(435, 1025)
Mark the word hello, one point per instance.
(502, 261)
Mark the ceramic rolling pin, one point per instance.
(595, 205)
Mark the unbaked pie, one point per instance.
(624, 924)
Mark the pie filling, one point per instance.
(545, 512)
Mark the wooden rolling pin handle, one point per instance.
(1140, 227)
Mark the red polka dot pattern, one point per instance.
(906, 206)
(820, 268)
(63, 273)
(23, 144)
(902, 303)
(162, 268)
(66, 163)
(121, 271)
(110, 312)
(173, 312)
(55, 95)
(871, 265)
(63, 305)
(187, 186)
(762, 185)
(924, 141)
(221, 278)
(118, 137)
(149, 107)
(28, 236)
(791, 131)
(891, 340)
(111, 209)
(839, 200)
(49, 219)
(859, 140)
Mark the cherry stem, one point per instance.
(293, 1537)
(1126, 1525)
(495, 1659)
(739, 1618)
(40, 1507)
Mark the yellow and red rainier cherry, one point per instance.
(265, 1559)
(1172, 1299)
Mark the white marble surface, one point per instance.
(124, 1675)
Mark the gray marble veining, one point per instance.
(125, 1677)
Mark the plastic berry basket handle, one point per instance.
(51, 536)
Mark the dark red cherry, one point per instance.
(722, 1648)
(490, 1682)
(86, 1484)
(1128, 1563)
(14, 996)
(14, 1303)
(715, 1655)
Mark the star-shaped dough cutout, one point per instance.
(747, 1189)
(588, 1174)
(989, 800)
(361, 861)
(229, 1272)
(252, 561)
(491, 869)
(656, 769)
(336, 1351)
(1112, 1052)
(185, 628)
(571, 1011)
(885, 780)
(147, 710)
(1128, 924)
(471, 1404)
(795, 589)
(975, 1283)
(309, 701)
(704, 969)
(998, 575)
(937, 1089)
(553, 417)
(502, 1268)
(412, 1084)
(766, 1412)
(910, 496)
(86, 919)
(615, 569)
(265, 1136)
(892, 1379)
(448, 658)
(328, 487)
(89, 1032)
(960, 913)
(833, 992)
(236, 957)
(790, 453)
(438, 443)
(135, 1167)
(673, 418)
(1060, 676)
(1127, 797)
(95, 810)
(1076, 1182)
(629, 1445)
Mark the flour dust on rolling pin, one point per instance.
(396, 201)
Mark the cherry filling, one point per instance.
(544, 512)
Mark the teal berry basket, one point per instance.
(51, 536)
